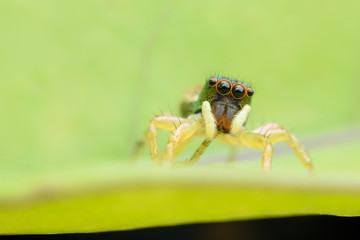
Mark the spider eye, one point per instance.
(238, 91)
(223, 87)
(212, 82)
(250, 92)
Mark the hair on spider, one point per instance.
(170, 111)
(161, 112)
(240, 79)
(267, 134)
(177, 116)
(172, 132)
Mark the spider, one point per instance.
(217, 110)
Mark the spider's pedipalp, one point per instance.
(210, 122)
(239, 120)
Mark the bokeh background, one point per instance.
(80, 80)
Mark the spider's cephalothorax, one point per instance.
(227, 97)
(218, 110)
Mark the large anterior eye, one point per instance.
(212, 82)
(223, 87)
(238, 91)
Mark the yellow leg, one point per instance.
(269, 134)
(267, 156)
(182, 146)
(199, 151)
(182, 136)
(264, 129)
(196, 155)
(162, 122)
(276, 135)
(259, 141)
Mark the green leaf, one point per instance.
(117, 197)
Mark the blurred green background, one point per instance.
(80, 80)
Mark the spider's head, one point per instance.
(227, 96)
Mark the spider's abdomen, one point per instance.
(189, 101)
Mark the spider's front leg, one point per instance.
(271, 133)
(181, 137)
(206, 125)
(162, 122)
(276, 134)
(182, 132)
(264, 137)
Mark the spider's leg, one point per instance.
(265, 128)
(182, 136)
(182, 146)
(162, 122)
(196, 155)
(264, 137)
(276, 135)
(197, 124)
(259, 141)
(199, 151)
